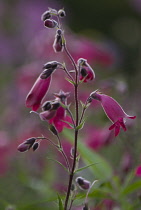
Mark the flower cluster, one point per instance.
(56, 112)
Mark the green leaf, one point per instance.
(101, 171)
(80, 126)
(58, 163)
(63, 105)
(60, 203)
(71, 125)
(80, 169)
(131, 188)
(69, 80)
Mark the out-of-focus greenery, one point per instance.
(31, 181)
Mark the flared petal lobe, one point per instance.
(37, 93)
(113, 110)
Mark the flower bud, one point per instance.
(35, 146)
(46, 15)
(46, 105)
(58, 42)
(49, 23)
(46, 73)
(61, 13)
(55, 105)
(30, 141)
(82, 183)
(51, 65)
(53, 130)
(23, 147)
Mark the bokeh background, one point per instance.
(108, 35)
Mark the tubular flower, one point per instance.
(41, 86)
(113, 111)
(60, 119)
(86, 72)
(37, 93)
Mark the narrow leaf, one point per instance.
(60, 203)
(101, 171)
(80, 169)
(71, 125)
(131, 188)
(80, 126)
(69, 80)
(58, 163)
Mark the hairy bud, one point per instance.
(61, 13)
(46, 15)
(82, 183)
(53, 129)
(46, 106)
(51, 65)
(49, 23)
(35, 146)
(23, 147)
(58, 42)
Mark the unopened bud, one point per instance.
(50, 23)
(35, 146)
(51, 65)
(83, 72)
(53, 130)
(61, 13)
(23, 147)
(30, 140)
(55, 105)
(46, 105)
(82, 183)
(58, 42)
(46, 15)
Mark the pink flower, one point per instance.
(37, 93)
(138, 171)
(86, 72)
(113, 111)
(58, 120)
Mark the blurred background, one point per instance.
(108, 35)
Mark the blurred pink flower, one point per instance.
(37, 93)
(98, 137)
(138, 171)
(113, 111)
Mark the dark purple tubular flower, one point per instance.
(86, 72)
(37, 92)
(58, 42)
(113, 111)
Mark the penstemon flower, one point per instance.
(37, 93)
(86, 72)
(113, 111)
(41, 85)
(57, 112)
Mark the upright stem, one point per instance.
(76, 124)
